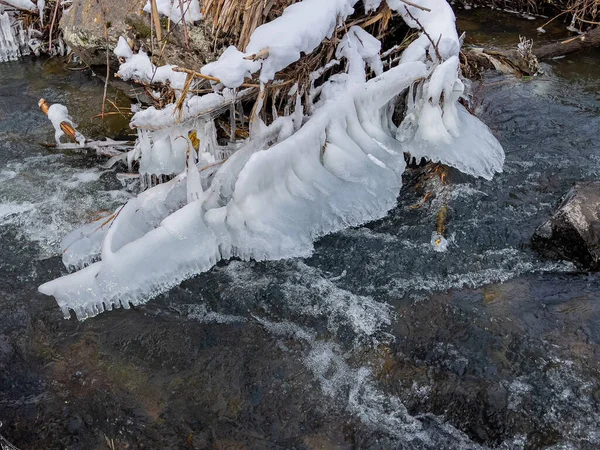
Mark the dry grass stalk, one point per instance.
(239, 18)
(186, 89)
(106, 25)
(156, 20)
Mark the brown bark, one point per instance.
(584, 41)
(511, 61)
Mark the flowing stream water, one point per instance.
(375, 342)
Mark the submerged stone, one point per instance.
(573, 232)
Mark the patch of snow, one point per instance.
(173, 10)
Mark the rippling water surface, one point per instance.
(375, 342)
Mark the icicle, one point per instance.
(232, 124)
(41, 4)
(193, 180)
(13, 38)
(22, 38)
(9, 48)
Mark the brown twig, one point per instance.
(52, 25)
(433, 44)
(213, 165)
(422, 8)
(186, 87)
(185, 30)
(420, 205)
(107, 68)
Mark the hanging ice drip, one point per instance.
(13, 38)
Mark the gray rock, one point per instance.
(83, 27)
(6, 349)
(573, 232)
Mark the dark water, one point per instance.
(375, 342)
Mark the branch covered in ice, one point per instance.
(340, 169)
(291, 181)
(300, 29)
(59, 114)
(436, 126)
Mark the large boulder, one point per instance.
(83, 26)
(573, 232)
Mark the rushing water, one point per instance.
(375, 342)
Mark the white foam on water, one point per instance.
(386, 238)
(362, 314)
(41, 197)
(467, 190)
(356, 391)
(512, 267)
(10, 211)
(335, 360)
(87, 176)
(309, 293)
(202, 314)
(7, 175)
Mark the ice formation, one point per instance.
(293, 180)
(41, 4)
(139, 67)
(58, 114)
(27, 5)
(13, 38)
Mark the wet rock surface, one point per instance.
(573, 232)
(505, 364)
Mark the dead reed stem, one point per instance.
(156, 20)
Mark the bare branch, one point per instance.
(433, 44)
